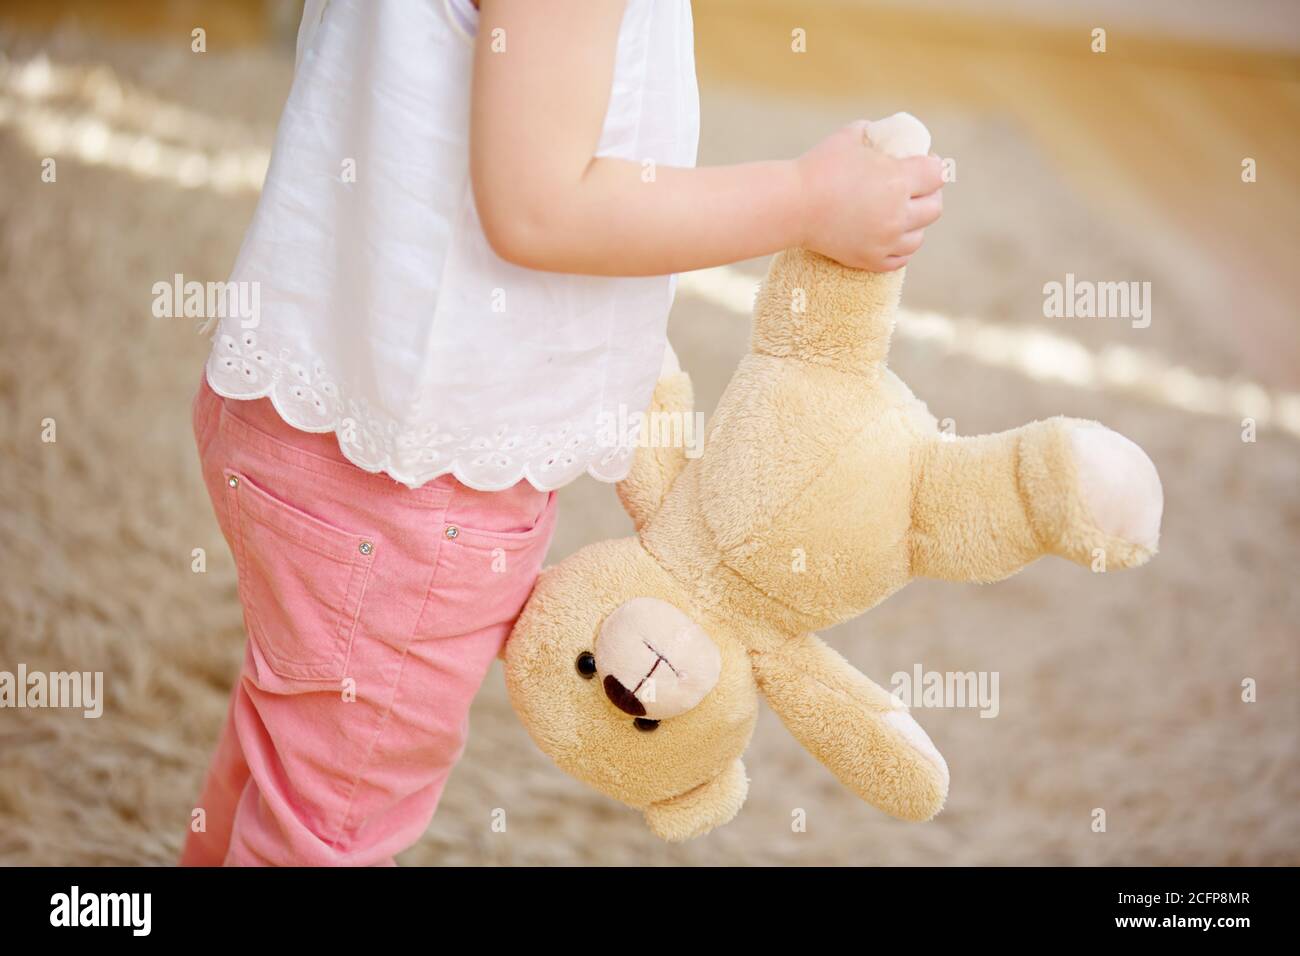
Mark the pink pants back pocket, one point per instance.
(302, 582)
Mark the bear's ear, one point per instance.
(670, 434)
(698, 811)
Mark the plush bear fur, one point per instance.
(825, 486)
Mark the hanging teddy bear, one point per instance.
(637, 663)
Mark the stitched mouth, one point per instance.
(660, 658)
(622, 698)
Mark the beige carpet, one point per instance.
(1117, 692)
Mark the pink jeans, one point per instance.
(373, 612)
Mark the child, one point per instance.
(464, 251)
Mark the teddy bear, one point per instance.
(824, 486)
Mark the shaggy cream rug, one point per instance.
(1117, 693)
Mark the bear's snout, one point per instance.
(654, 661)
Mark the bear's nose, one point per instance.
(654, 661)
(622, 698)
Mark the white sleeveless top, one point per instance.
(384, 316)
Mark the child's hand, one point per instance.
(865, 209)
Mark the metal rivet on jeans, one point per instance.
(366, 547)
(452, 531)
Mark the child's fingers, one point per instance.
(924, 211)
(908, 243)
(924, 174)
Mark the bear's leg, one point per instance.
(987, 506)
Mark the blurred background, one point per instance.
(1117, 692)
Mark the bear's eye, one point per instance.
(586, 664)
(645, 724)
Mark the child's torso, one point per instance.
(383, 314)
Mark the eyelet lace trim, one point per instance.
(305, 395)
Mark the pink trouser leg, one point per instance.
(373, 612)
(209, 837)
(334, 782)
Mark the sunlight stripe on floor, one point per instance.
(92, 116)
(1047, 356)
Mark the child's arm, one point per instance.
(546, 202)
